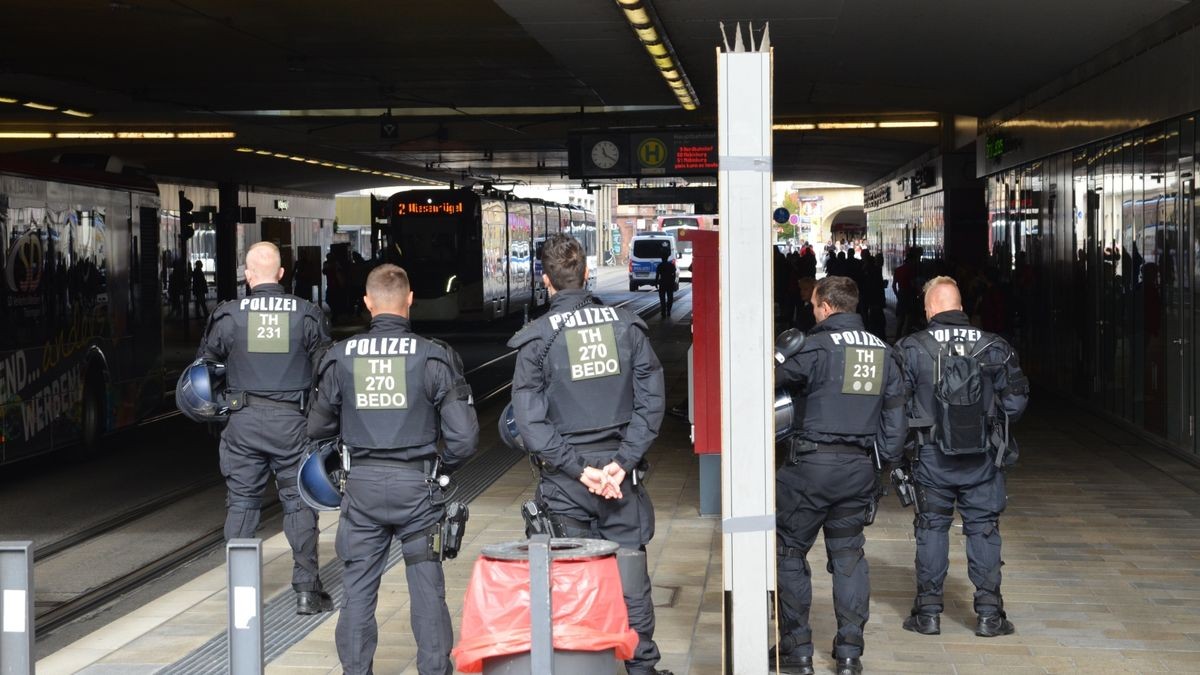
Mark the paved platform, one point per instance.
(1101, 541)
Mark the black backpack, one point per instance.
(959, 415)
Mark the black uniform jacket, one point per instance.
(805, 369)
(459, 426)
(531, 405)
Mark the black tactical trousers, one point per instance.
(260, 439)
(381, 503)
(980, 505)
(829, 491)
(630, 523)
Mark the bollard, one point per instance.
(16, 608)
(244, 560)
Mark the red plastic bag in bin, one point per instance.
(588, 610)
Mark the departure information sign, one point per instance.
(635, 153)
(424, 208)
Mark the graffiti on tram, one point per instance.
(54, 307)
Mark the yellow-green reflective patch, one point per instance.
(380, 383)
(267, 332)
(864, 371)
(592, 351)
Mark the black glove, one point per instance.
(788, 344)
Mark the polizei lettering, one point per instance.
(858, 338)
(584, 317)
(268, 303)
(957, 334)
(381, 346)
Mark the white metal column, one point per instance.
(747, 379)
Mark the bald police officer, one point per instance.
(967, 478)
(269, 341)
(853, 402)
(392, 394)
(588, 401)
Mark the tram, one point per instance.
(475, 256)
(81, 349)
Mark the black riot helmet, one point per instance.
(508, 429)
(786, 417)
(198, 394)
(322, 476)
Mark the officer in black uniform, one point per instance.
(972, 482)
(588, 400)
(269, 342)
(390, 392)
(853, 403)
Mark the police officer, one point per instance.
(390, 392)
(269, 341)
(853, 403)
(588, 400)
(972, 482)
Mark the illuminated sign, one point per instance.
(428, 209)
(642, 152)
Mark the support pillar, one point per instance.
(243, 558)
(16, 608)
(227, 253)
(747, 379)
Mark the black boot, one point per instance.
(993, 625)
(313, 602)
(925, 624)
(850, 665)
(791, 663)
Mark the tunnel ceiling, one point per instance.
(490, 88)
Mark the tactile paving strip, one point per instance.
(283, 628)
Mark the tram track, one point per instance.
(51, 615)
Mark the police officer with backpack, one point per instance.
(967, 388)
(392, 395)
(853, 406)
(268, 341)
(588, 400)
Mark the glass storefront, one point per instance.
(916, 222)
(1097, 252)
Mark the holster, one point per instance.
(454, 526)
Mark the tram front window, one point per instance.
(429, 253)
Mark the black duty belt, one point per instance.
(255, 399)
(422, 465)
(800, 448)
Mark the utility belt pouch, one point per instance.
(638, 475)
(872, 509)
(432, 551)
(798, 449)
(454, 526)
(235, 400)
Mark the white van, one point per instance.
(645, 253)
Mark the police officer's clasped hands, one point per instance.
(605, 482)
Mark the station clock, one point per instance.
(605, 154)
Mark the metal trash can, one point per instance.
(564, 661)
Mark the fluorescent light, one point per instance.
(262, 152)
(24, 134)
(311, 161)
(793, 127)
(846, 125)
(280, 155)
(910, 124)
(39, 106)
(296, 158)
(5, 99)
(141, 135)
(245, 149)
(77, 113)
(206, 134)
(85, 134)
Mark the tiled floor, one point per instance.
(1101, 541)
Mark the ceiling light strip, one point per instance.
(842, 125)
(342, 167)
(646, 26)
